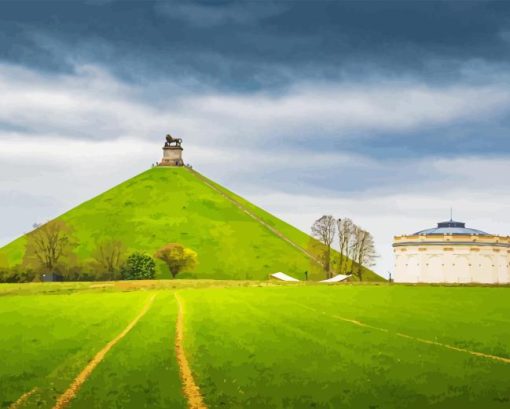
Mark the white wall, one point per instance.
(447, 262)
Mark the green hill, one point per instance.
(233, 238)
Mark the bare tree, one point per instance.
(109, 254)
(362, 251)
(324, 230)
(354, 248)
(369, 253)
(48, 244)
(344, 230)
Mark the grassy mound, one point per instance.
(165, 205)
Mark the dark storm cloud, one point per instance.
(245, 46)
(217, 13)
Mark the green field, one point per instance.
(258, 345)
(165, 205)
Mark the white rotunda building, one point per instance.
(452, 253)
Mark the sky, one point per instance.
(389, 113)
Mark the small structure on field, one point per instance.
(51, 277)
(336, 279)
(452, 253)
(283, 277)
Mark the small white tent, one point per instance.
(335, 279)
(283, 277)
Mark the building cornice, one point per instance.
(452, 243)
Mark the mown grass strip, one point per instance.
(189, 387)
(70, 393)
(22, 399)
(410, 337)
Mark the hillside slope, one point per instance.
(233, 238)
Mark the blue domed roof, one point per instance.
(451, 227)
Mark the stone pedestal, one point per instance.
(172, 156)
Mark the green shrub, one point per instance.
(138, 266)
(17, 274)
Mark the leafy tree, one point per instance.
(138, 266)
(48, 245)
(177, 258)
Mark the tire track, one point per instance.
(410, 337)
(64, 399)
(189, 387)
(22, 399)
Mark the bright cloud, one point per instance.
(92, 104)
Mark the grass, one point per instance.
(289, 231)
(141, 371)
(165, 205)
(45, 340)
(255, 344)
(281, 354)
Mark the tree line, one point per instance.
(355, 248)
(51, 251)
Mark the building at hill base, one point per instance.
(452, 253)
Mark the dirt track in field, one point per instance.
(410, 337)
(189, 387)
(70, 393)
(22, 399)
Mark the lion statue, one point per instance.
(170, 140)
